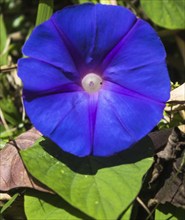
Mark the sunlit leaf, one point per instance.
(4, 42)
(85, 1)
(17, 22)
(166, 13)
(45, 11)
(9, 203)
(100, 187)
(45, 206)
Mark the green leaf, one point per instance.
(84, 1)
(45, 10)
(100, 187)
(4, 42)
(9, 203)
(45, 206)
(166, 13)
(126, 213)
(3, 35)
(17, 22)
(10, 112)
(105, 2)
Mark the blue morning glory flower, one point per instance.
(95, 79)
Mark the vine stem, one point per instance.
(7, 69)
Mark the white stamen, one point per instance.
(92, 82)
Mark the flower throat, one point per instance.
(92, 83)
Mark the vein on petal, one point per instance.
(65, 115)
(117, 88)
(93, 105)
(70, 87)
(119, 118)
(112, 53)
(75, 54)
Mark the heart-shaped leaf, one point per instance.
(100, 187)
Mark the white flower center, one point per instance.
(92, 83)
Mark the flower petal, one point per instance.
(151, 80)
(122, 120)
(141, 46)
(46, 44)
(64, 118)
(38, 76)
(89, 30)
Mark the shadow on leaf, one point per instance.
(44, 205)
(91, 164)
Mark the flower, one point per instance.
(95, 80)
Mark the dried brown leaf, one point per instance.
(172, 160)
(165, 181)
(13, 173)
